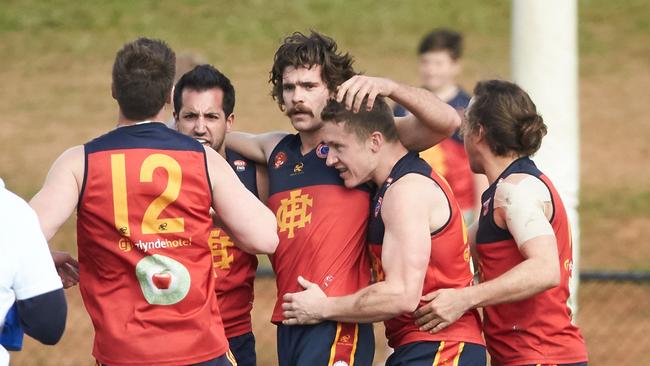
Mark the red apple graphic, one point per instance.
(162, 280)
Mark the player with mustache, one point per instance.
(322, 224)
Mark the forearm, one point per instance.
(263, 239)
(526, 279)
(245, 144)
(429, 112)
(376, 302)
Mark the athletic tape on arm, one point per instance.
(523, 203)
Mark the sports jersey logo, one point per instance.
(163, 281)
(568, 266)
(297, 169)
(346, 339)
(322, 150)
(378, 206)
(376, 270)
(125, 244)
(240, 165)
(293, 212)
(486, 207)
(219, 244)
(280, 158)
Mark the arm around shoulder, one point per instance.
(431, 121)
(254, 147)
(252, 223)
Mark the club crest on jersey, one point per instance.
(240, 165)
(486, 207)
(322, 150)
(378, 206)
(280, 158)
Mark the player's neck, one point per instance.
(494, 166)
(446, 92)
(222, 151)
(390, 154)
(122, 120)
(309, 140)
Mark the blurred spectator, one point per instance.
(440, 52)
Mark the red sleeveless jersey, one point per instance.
(145, 266)
(538, 329)
(448, 262)
(234, 268)
(321, 224)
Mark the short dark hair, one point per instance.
(143, 74)
(202, 78)
(442, 39)
(363, 123)
(508, 116)
(299, 50)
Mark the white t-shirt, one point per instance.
(26, 266)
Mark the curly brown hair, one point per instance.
(299, 50)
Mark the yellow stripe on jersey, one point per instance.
(441, 347)
(333, 349)
(354, 343)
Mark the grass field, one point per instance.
(57, 57)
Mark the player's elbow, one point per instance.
(406, 301)
(454, 122)
(269, 243)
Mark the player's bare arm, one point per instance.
(431, 121)
(523, 208)
(257, 148)
(246, 218)
(56, 201)
(405, 256)
(262, 179)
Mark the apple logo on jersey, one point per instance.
(162, 280)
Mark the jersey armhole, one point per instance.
(207, 176)
(82, 189)
(451, 210)
(275, 148)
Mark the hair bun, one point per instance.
(531, 131)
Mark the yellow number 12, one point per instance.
(151, 224)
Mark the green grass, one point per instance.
(619, 203)
(57, 57)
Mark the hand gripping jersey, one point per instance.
(321, 224)
(234, 268)
(145, 265)
(448, 263)
(538, 329)
(449, 159)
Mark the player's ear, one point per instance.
(480, 134)
(229, 121)
(113, 91)
(168, 100)
(375, 141)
